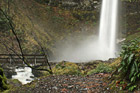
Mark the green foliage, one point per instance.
(66, 68)
(131, 0)
(132, 36)
(57, 19)
(101, 68)
(116, 63)
(85, 15)
(132, 87)
(130, 64)
(4, 26)
(42, 1)
(3, 83)
(138, 29)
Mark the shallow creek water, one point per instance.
(24, 75)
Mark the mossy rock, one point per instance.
(3, 81)
(14, 83)
(101, 68)
(67, 68)
(116, 63)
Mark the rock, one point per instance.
(37, 73)
(67, 68)
(73, 4)
(9, 70)
(70, 86)
(54, 88)
(9, 73)
(32, 77)
(14, 82)
(28, 80)
(84, 89)
(111, 60)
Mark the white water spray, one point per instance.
(100, 47)
(24, 75)
(108, 28)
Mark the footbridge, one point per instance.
(16, 58)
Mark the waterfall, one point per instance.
(108, 28)
(99, 47)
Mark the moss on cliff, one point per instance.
(47, 24)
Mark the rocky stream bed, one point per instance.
(68, 78)
(66, 84)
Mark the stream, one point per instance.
(24, 75)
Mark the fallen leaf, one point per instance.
(64, 90)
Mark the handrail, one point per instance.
(37, 58)
(21, 55)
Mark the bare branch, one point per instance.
(19, 44)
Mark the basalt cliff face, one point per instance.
(72, 4)
(47, 22)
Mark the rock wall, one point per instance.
(73, 4)
(44, 22)
(131, 12)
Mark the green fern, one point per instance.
(130, 64)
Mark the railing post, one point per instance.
(35, 60)
(10, 60)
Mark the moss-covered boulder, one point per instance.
(3, 83)
(67, 68)
(116, 62)
(101, 68)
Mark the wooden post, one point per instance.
(35, 60)
(10, 60)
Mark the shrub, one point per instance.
(66, 68)
(130, 63)
(3, 83)
(101, 68)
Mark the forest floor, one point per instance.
(94, 83)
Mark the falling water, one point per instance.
(102, 48)
(108, 28)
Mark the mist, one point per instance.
(102, 46)
(76, 50)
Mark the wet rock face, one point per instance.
(131, 7)
(73, 4)
(131, 12)
(80, 4)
